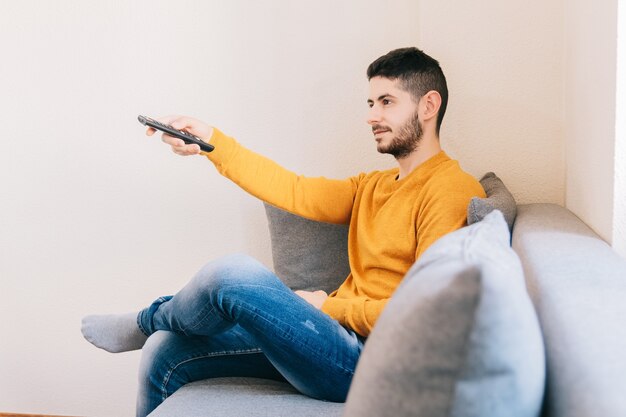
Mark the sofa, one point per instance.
(521, 313)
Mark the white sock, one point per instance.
(114, 332)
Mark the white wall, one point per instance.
(504, 64)
(96, 217)
(590, 74)
(619, 206)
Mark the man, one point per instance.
(236, 318)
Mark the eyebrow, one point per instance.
(382, 97)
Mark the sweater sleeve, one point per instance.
(358, 313)
(320, 198)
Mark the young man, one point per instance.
(236, 318)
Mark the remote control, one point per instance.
(181, 134)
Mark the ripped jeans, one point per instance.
(236, 318)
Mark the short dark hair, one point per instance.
(418, 74)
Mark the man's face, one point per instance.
(393, 116)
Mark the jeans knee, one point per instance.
(228, 271)
(237, 262)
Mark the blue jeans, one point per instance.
(236, 318)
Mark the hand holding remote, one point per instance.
(196, 127)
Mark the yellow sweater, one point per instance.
(392, 222)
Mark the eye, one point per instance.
(386, 101)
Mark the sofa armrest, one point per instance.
(578, 286)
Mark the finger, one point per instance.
(150, 131)
(301, 294)
(186, 150)
(183, 122)
(171, 140)
(177, 145)
(193, 126)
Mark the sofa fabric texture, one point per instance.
(498, 198)
(307, 255)
(578, 285)
(239, 397)
(459, 337)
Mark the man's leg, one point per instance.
(311, 350)
(170, 360)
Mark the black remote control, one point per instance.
(181, 134)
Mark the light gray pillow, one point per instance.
(458, 338)
(498, 198)
(307, 255)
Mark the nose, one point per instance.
(373, 115)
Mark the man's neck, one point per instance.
(427, 148)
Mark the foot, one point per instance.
(114, 332)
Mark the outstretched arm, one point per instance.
(320, 199)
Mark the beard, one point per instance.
(406, 141)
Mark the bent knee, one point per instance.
(239, 262)
(230, 270)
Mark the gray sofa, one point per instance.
(461, 336)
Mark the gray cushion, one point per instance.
(237, 397)
(498, 198)
(578, 285)
(459, 337)
(308, 255)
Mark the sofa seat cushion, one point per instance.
(236, 397)
(578, 285)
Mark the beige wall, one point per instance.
(97, 217)
(589, 75)
(504, 64)
(619, 206)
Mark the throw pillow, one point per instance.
(307, 255)
(459, 337)
(498, 198)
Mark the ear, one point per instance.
(430, 104)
